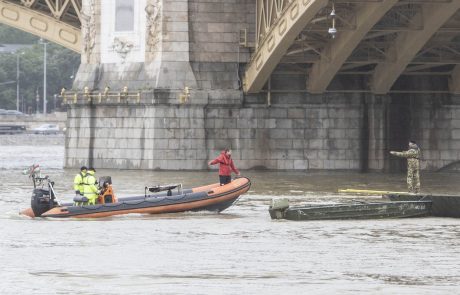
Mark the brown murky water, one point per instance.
(240, 251)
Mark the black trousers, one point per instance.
(224, 179)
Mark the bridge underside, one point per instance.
(381, 46)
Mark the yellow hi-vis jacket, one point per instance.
(78, 182)
(90, 188)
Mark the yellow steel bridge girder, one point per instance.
(324, 70)
(41, 25)
(408, 44)
(279, 38)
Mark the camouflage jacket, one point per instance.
(412, 155)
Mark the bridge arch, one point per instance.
(41, 25)
(280, 32)
(377, 42)
(408, 44)
(324, 70)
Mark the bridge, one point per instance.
(379, 41)
(290, 84)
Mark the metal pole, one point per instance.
(269, 92)
(37, 98)
(44, 78)
(17, 81)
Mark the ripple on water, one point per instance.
(408, 280)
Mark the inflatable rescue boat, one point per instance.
(156, 200)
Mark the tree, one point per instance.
(61, 65)
(11, 35)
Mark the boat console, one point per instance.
(162, 188)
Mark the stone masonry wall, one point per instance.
(215, 27)
(311, 137)
(303, 137)
(136, 137)
(378, 149)
(432, 121)
(436, 128)
(215, 52)
(186, 137)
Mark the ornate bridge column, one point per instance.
(167, 57)
(141, 44)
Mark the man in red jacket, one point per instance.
(226, 166)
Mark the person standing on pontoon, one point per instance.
(226, 166)
(413, 166)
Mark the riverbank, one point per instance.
(33, 121)
(26, 139)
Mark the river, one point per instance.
(239, 251)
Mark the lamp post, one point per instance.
(44, 75)
(37, 99)
(17, 82)
(17, 79)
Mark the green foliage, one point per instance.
(62, 63)
(11, 35)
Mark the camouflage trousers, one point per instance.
(413, 180)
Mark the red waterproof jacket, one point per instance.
(226, 164)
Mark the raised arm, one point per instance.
(412, 153)
(215, 161)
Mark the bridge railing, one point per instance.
(87, 96)
(100, 97)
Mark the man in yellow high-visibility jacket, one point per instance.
(78, 181)
(90, 189)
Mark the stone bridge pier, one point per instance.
(182, 59)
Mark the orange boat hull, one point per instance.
(211, 197)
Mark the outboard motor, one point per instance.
(41, 201)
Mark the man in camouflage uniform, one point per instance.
(413, 166)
